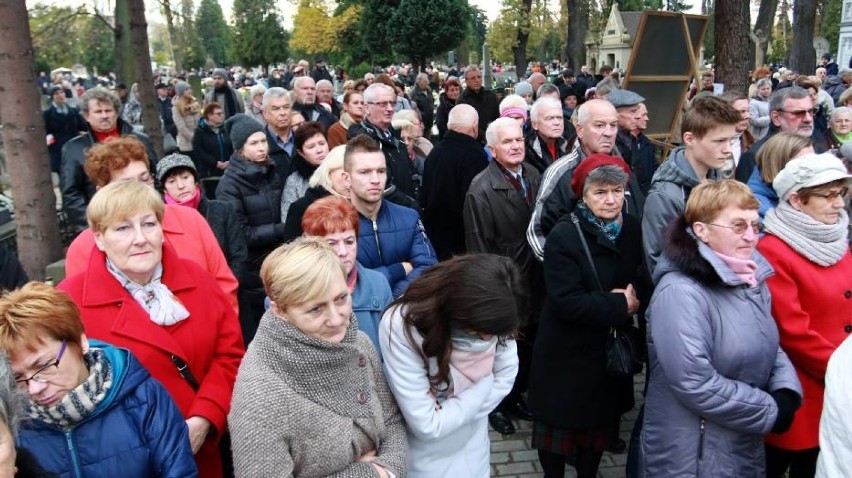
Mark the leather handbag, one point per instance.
(623, 358)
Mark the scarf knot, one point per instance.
(154, 297)
(822, 244)
(611, 230)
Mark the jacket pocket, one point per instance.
(702, 431)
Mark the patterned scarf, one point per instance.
(822, 244)
(79, 403)
(155, 298)
(610, 230)
(525, 190)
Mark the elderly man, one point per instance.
(305, 102)
(635, 147)
(483, 100)
(279, 136)
(450, 168)
(597, 125)
(325, 96)
(380, 99)
(223, 94)
(100, 108)
(497, 210)
(421, 95)
(536, 80)
(791, 110)
(545, 143)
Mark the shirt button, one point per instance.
(362, 362)
(361, 397)
(848, 329)
(848, 294)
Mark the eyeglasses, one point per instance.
(382, 104)
(44, 374)
(740, 227)
(800, 113)
(832, 195)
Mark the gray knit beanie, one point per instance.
(220, 72)
(523, 88)
(180, 87)
(239, 127)
(172, 161)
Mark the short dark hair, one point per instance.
(708, 112)
(306, 131)
(359, 144)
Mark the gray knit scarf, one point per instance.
(822, 244)
(79, 403)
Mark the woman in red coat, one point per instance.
(811, 290)
(138, 294)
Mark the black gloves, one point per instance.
(788, 402)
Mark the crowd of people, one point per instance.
(339, 277)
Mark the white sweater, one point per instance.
(835, 426)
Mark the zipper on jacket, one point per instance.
(75, 463)
(702, 429)
(376, 236)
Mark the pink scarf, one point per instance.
(191, 202)
(745, 269)
(469, 365)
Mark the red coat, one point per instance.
(812, 306)
(209, 341)
(187, 231)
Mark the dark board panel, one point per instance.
(663, 100)
(662, 48)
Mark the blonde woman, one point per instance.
(186, 112)
(329, 179)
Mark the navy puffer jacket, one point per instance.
(136, 431)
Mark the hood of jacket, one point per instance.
(685, 254)
(678, 171)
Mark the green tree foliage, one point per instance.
(53, 26)
(99, 51)
(543, 28)
(259, 38)
(376, 27)
(194, 53)
(478, 29)
(677, 5)
(213, 31)
(830, 22)
(782, 38)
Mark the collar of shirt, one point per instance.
(287, 145)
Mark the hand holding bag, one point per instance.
(622, 353)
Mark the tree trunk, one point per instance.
(147, 97)
(763, 30)
(26, 150)
(802, 54)
(578, 24)
(175, 43)
(125, 68)
(732, 32)
(519, 51)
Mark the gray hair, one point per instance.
(605, 86)
(840, 110)
(547, 89)
(257, 89)
(513, 100)
(540, 103)
(273, 94)
(373, 90)
(12, 400)
(470, 69)
(101, 95)
(297, 82)
(420, 77)
(491, 136)
(763, 82)
(325, 83)
(609, 174)
(332, 161)
(462, 115)
(776, 101)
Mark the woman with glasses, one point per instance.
(719, 380)
(807, 246)
(211, 147)
(138, 293)
(93, 409)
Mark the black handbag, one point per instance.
(623, 357)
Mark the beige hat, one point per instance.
(809, 171)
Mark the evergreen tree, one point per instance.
(194, 54)
(213, 31)
(423, 28)
(259, 38)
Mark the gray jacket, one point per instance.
(714, 358)
(666, 200)
(758, 111)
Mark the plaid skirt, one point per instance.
(563, 442)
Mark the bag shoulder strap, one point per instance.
(576, 222)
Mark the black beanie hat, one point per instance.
(239, 127)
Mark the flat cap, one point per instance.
(623, 98)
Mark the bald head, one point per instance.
(463, 119)
(536, 80)
(597, 125)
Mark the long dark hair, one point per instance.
(482, 293)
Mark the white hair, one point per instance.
(373, 90)
(273, 94)
(491, 136)
(462, 116)
(325, 83)
(517, 101)
(322, 175)
(297, 82)
(257, 89)
(540, 103)
(840, 110)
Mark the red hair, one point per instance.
(329, 215)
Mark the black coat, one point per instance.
(255, 191)
(164, 105)
(443, 113)
(293, 224)
(317, 113)
(283, 161)
(63, 128)
(208, 147)
(225, 224)
(77, 189)
(640, 155)
(485, 103)
(426, 105)
(569, 387)
(12, 275)
(450, 168)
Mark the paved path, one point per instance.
(513, 457)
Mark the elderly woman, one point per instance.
(252, 184)
(334, 219)
(353, 113)
(93, 410)
(311, 148)
(841, 127)
(310, 398)
(328, 180)
(421, 96)
(136, 292)
(125, 159)
(758, 109)
(845, 98)
(211, 147)
(807, 246)
(186, 113)
(254, 108)
(450, 358)
(422, 145)
(576, 404)
(719, 379)
(446, 100)
(770, 160)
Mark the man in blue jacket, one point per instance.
(392, 239)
